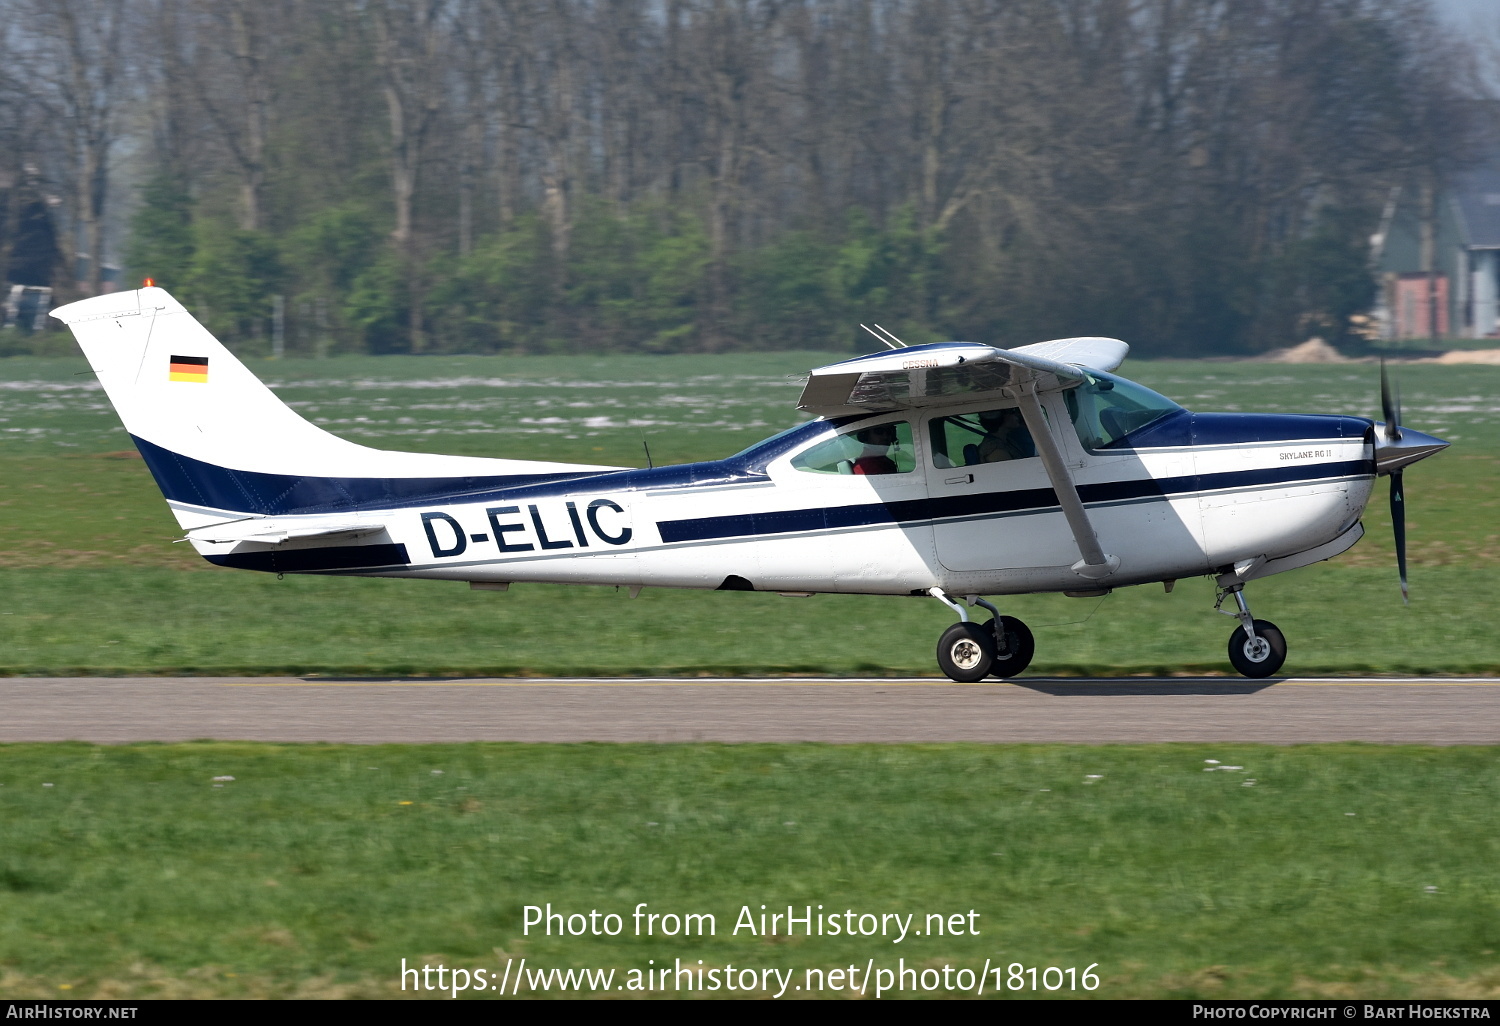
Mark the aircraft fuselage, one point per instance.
(1196, 494)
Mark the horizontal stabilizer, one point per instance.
(271, 531)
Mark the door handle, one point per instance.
(965, 479)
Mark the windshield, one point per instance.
(767, 449)
(1106, 409)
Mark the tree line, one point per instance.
(1194, 176)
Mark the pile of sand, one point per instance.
(1490, 356)
(1315, 350)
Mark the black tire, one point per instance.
(1260, 660)
(966, 653)
(1019, 649)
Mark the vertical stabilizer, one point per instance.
(178, 389)
(176, 386)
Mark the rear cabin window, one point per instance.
(871, 451)
(1106, 410)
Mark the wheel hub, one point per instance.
(1257, 649)
(966, 654)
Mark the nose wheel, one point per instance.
(1260, 655)
(1257, 648)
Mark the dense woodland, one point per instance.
(1194, 176)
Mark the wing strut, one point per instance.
(1095, 564)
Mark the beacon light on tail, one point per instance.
(956, 471)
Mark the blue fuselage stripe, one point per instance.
(913, 511)
(184, 479)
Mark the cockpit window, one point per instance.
(878, 449)
(988, 436)
(1105, 409)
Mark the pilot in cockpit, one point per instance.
(878, 442)
(1005, 436)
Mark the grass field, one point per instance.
(1333, 870)
(85, 537)
(1341, 621)
(1315, 871)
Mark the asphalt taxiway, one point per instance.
(1415, 710)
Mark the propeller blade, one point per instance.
(1398, 527)
(1391, 408)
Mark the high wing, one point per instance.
(952, 371)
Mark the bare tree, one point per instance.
(235, 88)
(733, 40)
(410, 37)
(165, 40)
(82, 71)
(1147, 167)
(473, 92)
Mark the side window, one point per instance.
(989, 436)
(881, 449)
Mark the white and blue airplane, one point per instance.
(955, 471)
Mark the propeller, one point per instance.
(1397, 448)
(1392, 410)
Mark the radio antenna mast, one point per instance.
(890, 335)
(888, 345)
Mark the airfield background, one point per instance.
(1314, 870)
(542, 230)
(416, 176)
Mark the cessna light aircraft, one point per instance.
(955, 471)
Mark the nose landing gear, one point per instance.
(968, 652)
(1257, 647)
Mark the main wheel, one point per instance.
(1019, 648)
(966, 653)
(1261, 657)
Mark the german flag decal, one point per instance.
(189, 368)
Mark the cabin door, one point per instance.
(992, 506)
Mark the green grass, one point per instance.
(90, 582)
(153, 621)
(1343, 869)
(308, 875)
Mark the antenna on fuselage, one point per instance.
(645, 445)
(890, 341)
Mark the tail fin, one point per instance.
(198, 414)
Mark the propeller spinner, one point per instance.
(1396, 448)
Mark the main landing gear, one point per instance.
(1257, 647)
(1002, 646)
(968, 652)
